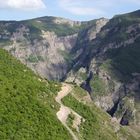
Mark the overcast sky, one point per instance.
(72, 9)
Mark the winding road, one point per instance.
(64, 111)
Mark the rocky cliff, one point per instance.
(108, 67)
(44, 44)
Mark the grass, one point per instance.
(28, 109)
(79, 92)
(99, 86)
(97, 123)
(50, 25)
(128, 133)
(95, 126)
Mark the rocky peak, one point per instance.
(92, 33)
(59, 20)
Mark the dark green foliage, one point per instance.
(70, 120)
(34, 59)
(26, 101)
(126, 60)
(5, 42)
(9, 26)
(35, 33)
(61, 29)
(115, 31)
(79, 92)
(98, 86)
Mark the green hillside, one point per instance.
(27, 109)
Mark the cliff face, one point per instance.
(113, 59)
(44, 44)
(102, 56)
(46, 56)
(43, 51)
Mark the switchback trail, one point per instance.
(64, 111)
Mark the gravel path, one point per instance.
(64, 111)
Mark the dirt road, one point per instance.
(64, 111)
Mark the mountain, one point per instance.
(31, 109)
(101, 56)
(108, 67)
(44, 44)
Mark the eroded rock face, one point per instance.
(118, 95)
(47, 56)
(57, 53)
(92, 33)
(47, 51)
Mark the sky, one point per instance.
(79, 10)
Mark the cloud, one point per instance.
(80, 7)
(94, 7)
(85, 11)
(22, 4)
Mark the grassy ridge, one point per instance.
(47, 24)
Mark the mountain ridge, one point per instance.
(101, 56)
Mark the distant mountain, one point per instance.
(101, 56)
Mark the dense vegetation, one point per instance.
(126, 60)
(27, 105)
